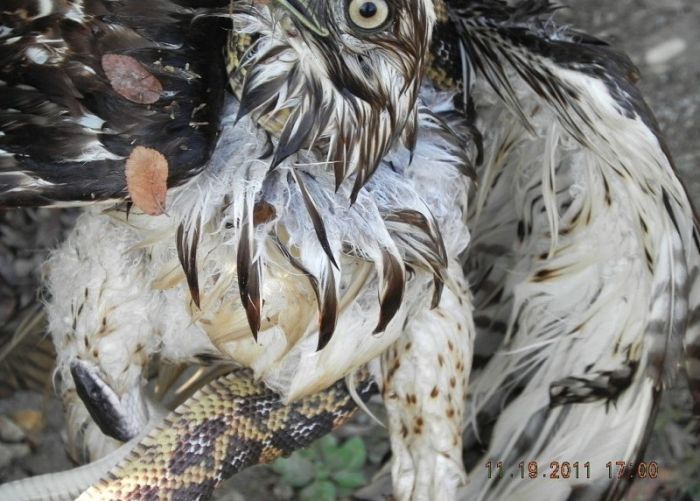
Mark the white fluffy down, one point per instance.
(119, 296)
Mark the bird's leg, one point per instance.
(99, 321)
(425, 384)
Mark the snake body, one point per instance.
(228, 425)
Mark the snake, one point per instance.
(230, 423)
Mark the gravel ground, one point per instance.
(663, 39)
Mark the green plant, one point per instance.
(327, 470)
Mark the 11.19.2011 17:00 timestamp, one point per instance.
(569, 469)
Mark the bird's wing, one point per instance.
(82, 83)
(584, 253)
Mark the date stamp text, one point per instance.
(572, 469)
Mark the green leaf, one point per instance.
(323, 472)
(344, 492)
(326, 445)
(296, 470)
(320, 490)
(347, 479)
(309, 453)
(352, 455)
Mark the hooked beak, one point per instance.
(303, 11)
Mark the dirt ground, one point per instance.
(663, 39)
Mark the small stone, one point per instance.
(283, 491)
(10, 452)
(10, 431)
(30, 421)
(665, 51)
(228, 493)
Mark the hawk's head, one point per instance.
(339, 75)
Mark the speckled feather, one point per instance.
(53, 86)
(556, 108)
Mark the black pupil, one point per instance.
(368, 9)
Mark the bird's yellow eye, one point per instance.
(368, 15)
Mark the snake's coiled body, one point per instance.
(228, 425)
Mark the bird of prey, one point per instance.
(345, 195)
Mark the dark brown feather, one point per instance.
(329, 309)
(179, 50)
(316, 219)
(249, 275)
(187, 254)
(423, 248)
(303, 269)
(391, 293)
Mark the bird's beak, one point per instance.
(304, 12)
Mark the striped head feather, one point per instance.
(349, 91)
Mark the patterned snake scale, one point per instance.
(228, 425)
